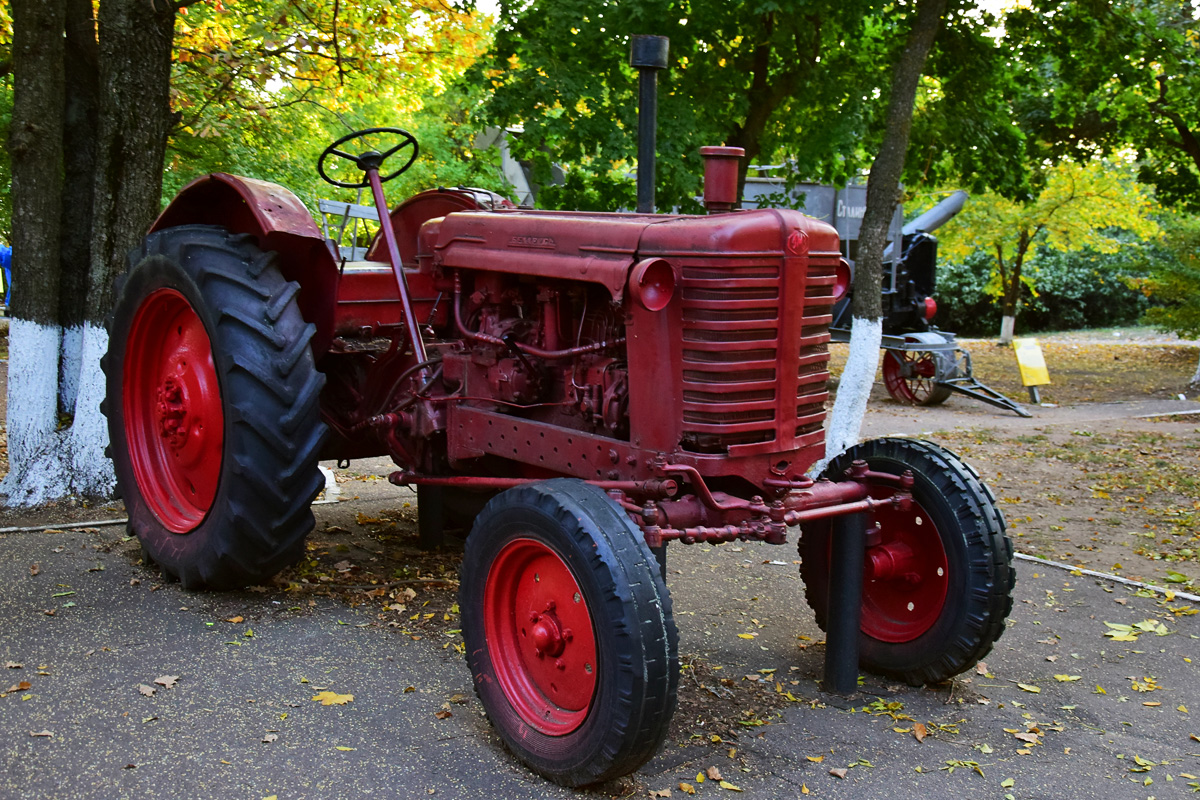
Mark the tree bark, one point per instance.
(883, 192)
(35, 146)
(80, 122)
(101, 86)
(135, 81)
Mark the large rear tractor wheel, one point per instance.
(569, 632)
(212, 406)
(938, 576)
(912, 377)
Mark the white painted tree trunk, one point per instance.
(1007, 326)
(854, 389)
(1196, 378)
(46, 463)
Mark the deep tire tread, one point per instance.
(627, 727)
(978, 615)
(270, 389)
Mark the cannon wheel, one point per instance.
(911, 376)
(938, 576)
(212, 406)
(569, 632)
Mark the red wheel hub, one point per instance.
(174, 422)
(540, 637)
(906, 576)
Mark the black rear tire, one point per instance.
(546, 564)
(957, 531)
(267, 403)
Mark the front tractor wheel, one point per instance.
(212, 406)
(569, 632)
(938, 576)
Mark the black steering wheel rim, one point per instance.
(360, 161)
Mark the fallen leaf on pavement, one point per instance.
(920, 731)
(713, 774)
(838, 772)
(729, 786)
(660, 792)
(19, 687)
(981, 668)
(34, 569)
(1067, 678)
(270, 737)
(332, 698)
(443, 714)
(167, 681)
(687, 788)
(12, 665)
(815, 759)
(45, 734)
(1028, 687)
(236, 620)
(148, 691)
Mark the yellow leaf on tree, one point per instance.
(332, 698)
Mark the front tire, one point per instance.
(938, 576)
(212, 406)
(569, 632)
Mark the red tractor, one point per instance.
(612, 382)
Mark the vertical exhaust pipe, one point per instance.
(647, 54)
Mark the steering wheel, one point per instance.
(371, 158)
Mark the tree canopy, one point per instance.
(804, 84)
(1099, 78)
(1078, 208)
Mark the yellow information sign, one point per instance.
(1031, 362)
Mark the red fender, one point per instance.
(280, 222)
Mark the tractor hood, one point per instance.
(602, 248)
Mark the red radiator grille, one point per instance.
(736, 318)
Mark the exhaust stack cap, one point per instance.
(721, 177)
(648, 52)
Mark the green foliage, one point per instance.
(1078, 289)
(262, 86)
(1098, 78)
(1174, 280)
(1079, 207)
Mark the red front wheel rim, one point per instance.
(174, 421)
(540, 637)
(907, 575)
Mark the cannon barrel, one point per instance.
(932, 219)
(937, 216)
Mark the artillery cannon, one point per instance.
(922, 365)
(616, 383)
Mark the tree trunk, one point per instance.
(35, 145)
(883, 192)
(80, 122)
(112, 109)
(1012, 293)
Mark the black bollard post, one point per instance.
(431, 517)
(845, 603)
(648, 54)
